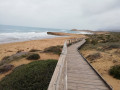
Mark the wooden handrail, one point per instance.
(56, 78)
(59, 78)
(105, 82)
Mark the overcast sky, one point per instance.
(68, 14)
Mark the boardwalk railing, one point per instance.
(72, 41)
(105, 82)
(59, 78)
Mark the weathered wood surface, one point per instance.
(72, 71)
(58, 80)
(80, 76)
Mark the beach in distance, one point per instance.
(60, 44)
(15, 41)
(10, 34)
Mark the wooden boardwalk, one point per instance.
(73, 72)
(80, 76)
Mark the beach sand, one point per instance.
(12, 48)
(102, 65)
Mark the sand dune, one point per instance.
(12, 48)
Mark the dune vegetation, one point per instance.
(115, 71)
(54, 49)
(33, 76)
(103, 52)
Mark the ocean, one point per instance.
(10, 33)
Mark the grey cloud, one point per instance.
(98, 7)
(81, 14)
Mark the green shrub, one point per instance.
(54, 49)
(88, 41)
(34, 50)
(104, 38)
(94, 42)
(102, 42)
(94, 56)
(115, 71)
(114, 46)
(33, 57)
(110, 46)
(33, 76)
(6, 57)
(14, 57)
(5, 68)
(19, 51)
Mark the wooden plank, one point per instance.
(74, 73)
(77, 86)
(80, 75)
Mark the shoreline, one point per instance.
(9, 49)
(48, 36)
(31, 40)
(23, 40)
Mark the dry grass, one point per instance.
(54, 49)
(33, 57)
(6, 68)
(93, 57)
(103, 65)
(115, 71)
(108, 46)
